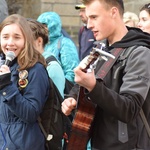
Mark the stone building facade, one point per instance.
(65, 8)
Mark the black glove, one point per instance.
(5, 79)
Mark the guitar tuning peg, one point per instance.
(105, 58)
(102, 52)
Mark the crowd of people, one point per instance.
(123, 92)
(121, 97)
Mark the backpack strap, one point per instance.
(48, 137)
(50, 58)
(126, 53)
(59, 44)
(53, 58)
(145, 122)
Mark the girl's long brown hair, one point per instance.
(29, 56)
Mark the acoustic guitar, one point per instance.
(85, 112)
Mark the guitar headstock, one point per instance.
(90, 61)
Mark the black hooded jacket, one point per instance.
(124, 91)
(135, 36)
(121, 95)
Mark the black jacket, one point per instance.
(121, 95)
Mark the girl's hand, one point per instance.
(4, 69)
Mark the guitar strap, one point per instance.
(108, 64)
(105, 69)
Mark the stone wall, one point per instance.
(65, 8)
(134, 5)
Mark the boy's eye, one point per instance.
(93, 17)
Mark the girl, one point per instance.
(144, 16)
(24, 87)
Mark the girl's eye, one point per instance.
(17, 37)
(4, 37)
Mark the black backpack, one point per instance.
(52, 121)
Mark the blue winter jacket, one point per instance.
(19, 111)
(63, 48)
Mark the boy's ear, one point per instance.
(114, 12)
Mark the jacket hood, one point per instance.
(53, 23)
(134, 36)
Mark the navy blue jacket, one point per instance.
(19, 129)
(86, 39)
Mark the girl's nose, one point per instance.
(10, 41)
(139, 24)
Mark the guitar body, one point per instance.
(86, 109)
(82, 123)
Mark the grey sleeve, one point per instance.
(137, 72)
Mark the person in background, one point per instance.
(130, 19)
(62, 47)
(125, 90)
(3, 10)
(65, 34)
(144, 18)
(85, 35)
(54, 69)
(24, 87)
